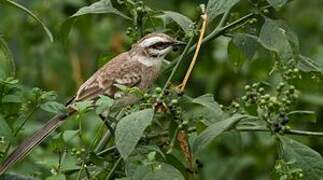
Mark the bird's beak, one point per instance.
(179, 43)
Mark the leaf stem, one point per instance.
(115, 166)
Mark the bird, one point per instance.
(139, 67)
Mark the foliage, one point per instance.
(253, 86)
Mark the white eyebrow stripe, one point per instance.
(150, 41)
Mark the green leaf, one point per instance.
(56, 177)
(5, 130)
(7, 63)
(184, 22)
(11, 98)
(163, 171)
(130, 129)
(210, 133)
(236, 56)
(277, 4)
(217, 7)
(157, 171)
(24, 9)
(14, 176)
(302, 115)
(69, 134)
(247, 43)
(83, 106)
(100, 7)
(306, 64)
(103, 103)
(305, 158)
(277, 37)
(53, 107)
(212, 112)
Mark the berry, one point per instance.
(158, 90)
(247, 87)
(174, 101)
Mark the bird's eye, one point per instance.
(160, 45)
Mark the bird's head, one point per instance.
(156, 45)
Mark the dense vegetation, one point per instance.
(251, 108)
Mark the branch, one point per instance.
(221, 31)
(187, 47)
(197, 50)
(290, 131)
(252, 129)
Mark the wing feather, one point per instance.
(120, 70)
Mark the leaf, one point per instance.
(53, 107)
(130, 129)
(184, 22)
(11, 98)
(14, 176)
(305, 158)
(157, 171)
(100, 7)
(213, 111)
(163, 171)
(306, 64)
(103, 103)
(246, 43)
(302, 115)
(277, 4)
(69, 134)
(210, 133)
(82, 106)
(24, 9)
(275, 36)
(236, 56)
(217, 7)
(5, 130)
(56, 177)
(7, 63)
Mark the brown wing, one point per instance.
(120, 70)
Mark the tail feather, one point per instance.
(39, 136)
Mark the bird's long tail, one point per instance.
(39, 136)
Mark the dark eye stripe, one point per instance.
(160, 45)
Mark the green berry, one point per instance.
(255, 85)
(158, 90)
(296, 70)
(247, 87)
(139, 9)
(266, 96)
(174, 101)
(261, 90)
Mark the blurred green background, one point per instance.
(62, 68)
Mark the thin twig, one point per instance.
(178, 62)
(220, 31)
(252, 129)
(105, 139)
(107, 151)
(199, 43)
(115, 166)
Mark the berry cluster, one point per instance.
(78, 152)
(272, 106)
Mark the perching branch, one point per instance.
(220, 31)
(197, 50)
